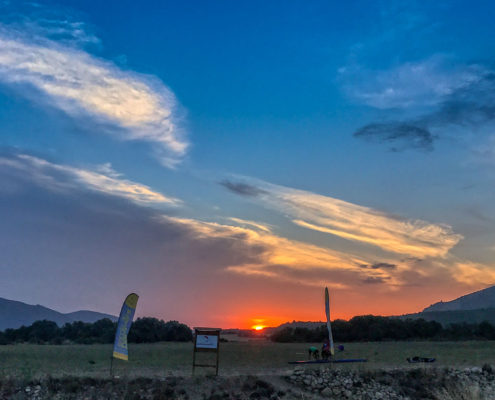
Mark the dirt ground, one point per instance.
(324, 383)
(201, 387)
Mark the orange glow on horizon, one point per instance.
(269, 314)
(273, 321)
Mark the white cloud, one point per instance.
(103, 180)
(412, 84)
(135, 107)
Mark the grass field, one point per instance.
(236, 358)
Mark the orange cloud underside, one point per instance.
(283, 279)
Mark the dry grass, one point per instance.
(167, 359)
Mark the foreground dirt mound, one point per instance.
(398, 384)
(207, 388)
(323, 383)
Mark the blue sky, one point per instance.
(248, 154)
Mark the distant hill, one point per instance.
(89, 316)
(474, 307)
(474, 301)
(457, 316)
(14, 314)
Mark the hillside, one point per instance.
(14, 314)
(457, 316)
(474, 301)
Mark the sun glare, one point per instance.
(258, 327)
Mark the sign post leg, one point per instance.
(194, 361)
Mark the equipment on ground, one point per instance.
(417, 359)
(344, 360)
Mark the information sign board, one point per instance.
(206, 340)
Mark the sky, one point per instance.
(228, 160)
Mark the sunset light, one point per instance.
(299, 195)
(228, 188)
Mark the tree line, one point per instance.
(373, 328)
(143, 330)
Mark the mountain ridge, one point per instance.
(480, 299)
(14, 314)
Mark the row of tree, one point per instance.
(143, 330)
(372, 328)
(150, 330)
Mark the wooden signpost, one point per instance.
(206, 340)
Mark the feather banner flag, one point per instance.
(329, 327)
(125, 320)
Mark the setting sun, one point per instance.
(258, 327)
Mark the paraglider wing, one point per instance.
(329, 327)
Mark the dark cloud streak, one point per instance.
(403, 134)
(242, 189)
(380, 265)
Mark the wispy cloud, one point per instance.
(472, 273)
(278, 257)
(371, 280)
(357, 223)
(236, 246)
(435, 95)
(256, 225)
(411, 84)
(54, 22)
(103, 179)
(128, 105)
(93, 241)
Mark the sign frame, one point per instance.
(212, 347)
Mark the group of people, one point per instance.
(325, 351)
(313, 352)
